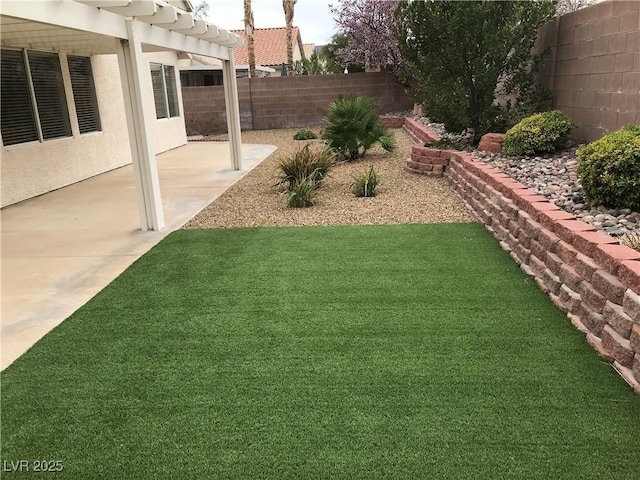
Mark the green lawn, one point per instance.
(417, 351)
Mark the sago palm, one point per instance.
(352, 127)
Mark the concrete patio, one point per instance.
(60, 249)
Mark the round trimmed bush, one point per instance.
(609, 169)
(544, 132)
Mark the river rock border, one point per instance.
(586, 273)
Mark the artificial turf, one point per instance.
(413, 351)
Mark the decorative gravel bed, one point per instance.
(554, 177)
(402, 197)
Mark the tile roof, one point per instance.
(270, 46)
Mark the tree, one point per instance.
(201, 10)
(461, 56)
(368, 27)
(288, 7)
(248, 30)
(568, 6)
(314, 65)
(334, 64)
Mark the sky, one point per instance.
(313, 17)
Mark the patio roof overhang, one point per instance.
(89, 26)
(128, 28)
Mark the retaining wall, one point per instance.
(586, 273)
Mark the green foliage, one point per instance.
(540, 133)
(304, 134)
(301, 193)
(609, 169)
(329, 53)
(314, 65)
(365, 184)
(306, 163)
(302, 173)
(443, 144)
(352, 127)
(463, 56)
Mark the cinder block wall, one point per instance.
(282, 102)
(594, 68)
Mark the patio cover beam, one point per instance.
(87, 18)
(233, 112)
(138, 99)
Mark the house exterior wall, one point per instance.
(33, 169)
(594, 68)
(170, 132)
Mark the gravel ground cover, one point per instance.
(554, 177)
(402, 197)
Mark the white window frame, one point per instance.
(69, 99)
(165, 91)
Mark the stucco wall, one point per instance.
(29, 170)
(169, 132)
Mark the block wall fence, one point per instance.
(284, 102)
(586, 273)
(594, 67)
(593, 72)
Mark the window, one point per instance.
(165, 92)
(34, 105)
(17, 118)
(33, 96)
(84, 94)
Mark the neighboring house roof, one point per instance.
(270, 46)
(309, 49)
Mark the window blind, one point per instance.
(84, 94)
(172, 92)
(50, 97)
(17, 119)
(157, 82)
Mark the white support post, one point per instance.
(233, 111)
(138, 100)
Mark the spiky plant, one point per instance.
(307, 162)
(352, 127)
(365, 185)
(301, 193)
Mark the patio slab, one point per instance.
(61, 248)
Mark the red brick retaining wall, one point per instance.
(586, 273)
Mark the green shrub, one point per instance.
(443, 144)
(301, 193)
(306, 163)
(609, 169)
(540, 133)
(304, 134)
(365, 185)
(352, 127)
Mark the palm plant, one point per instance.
(352, 127)
(248, 29)
(288, 7)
